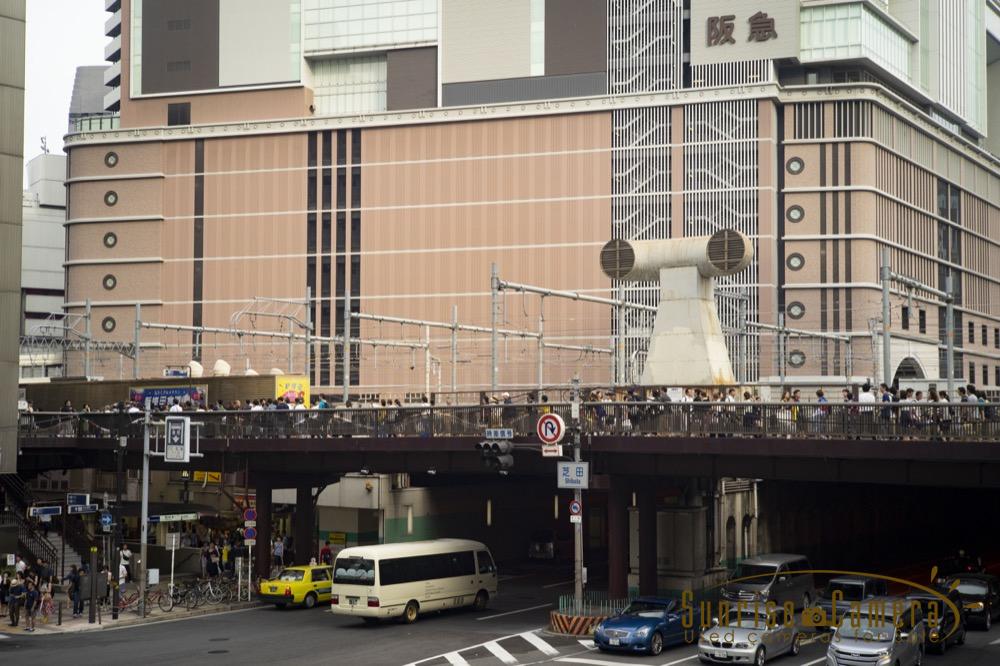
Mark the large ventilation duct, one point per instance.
(687, 347)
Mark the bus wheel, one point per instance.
(482, 598)
(410, 612)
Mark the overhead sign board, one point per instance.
(499, 433)
(738, 30)
(77, 498)
(573, 475)
(550, 429)
(178, 447)
(76, 509)
(39, 511)
(173, 518)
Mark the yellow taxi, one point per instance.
(294, 586)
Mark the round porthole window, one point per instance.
(109, 282)
(110, 198)
(110, 239)
(796, 358)
(108, 324)
(796, 310)
(795, 213)
(111, 160)
(795, 166)
(795, 261)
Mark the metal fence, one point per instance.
(879, 421)
(593, 604)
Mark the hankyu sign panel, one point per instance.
(162, 397)
(178, 434)
(573, 475)
(734, 30)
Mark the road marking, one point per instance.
(539, 643)
(513, 612)
(588, 644)
(504, 579)
(814, 662)
(595, 662)
(565, 582)
(681, 661)
(499, 652)
(996, 642)
(455, 659)
(454, 655)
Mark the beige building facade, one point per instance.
(206, 199)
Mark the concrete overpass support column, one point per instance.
(262, 551)
(618, 537)
(305, 525)
(647, 539)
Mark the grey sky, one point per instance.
(61, 36)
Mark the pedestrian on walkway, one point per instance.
(126, 559)
(278, 552)
(4, 592)
(47, 604)
(73, 590)
(15, 599)
(32, 599)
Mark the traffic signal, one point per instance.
(497, 454)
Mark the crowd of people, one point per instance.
(28, 591)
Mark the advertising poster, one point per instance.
(161, 397)
(291, 387)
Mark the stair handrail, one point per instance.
(28, 535)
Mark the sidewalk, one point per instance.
(125, 619)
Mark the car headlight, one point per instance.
(642, 633)
(977, 606)
(703, 640)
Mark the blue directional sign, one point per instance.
(106, 519)
(75, 509)
(38, 511)
(77, 498)
(499, 433)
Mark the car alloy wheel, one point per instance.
(795, 645)
(759, 658)
(310, 601)
(656, 644)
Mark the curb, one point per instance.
(55, 630)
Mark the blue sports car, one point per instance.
(648, 625)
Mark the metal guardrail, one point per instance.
(875, 421)
(593, 604)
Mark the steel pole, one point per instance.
(307, 367)
(136, 343)
(454, 349)
(742, 342)
(144, 525)
(886, 319)
(620, 343)
(494, 307)
(86, 342)
(949, 328)
(117, 514)
(427, 362)
(541, 351)
(781, 349)
(345, 350)
(578, 496)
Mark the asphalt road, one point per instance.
(503, 635)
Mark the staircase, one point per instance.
(18, 499)
(72, 557)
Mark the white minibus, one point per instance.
(405, 579)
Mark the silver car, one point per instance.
(880, 636)
(749, 636)
(778, 577)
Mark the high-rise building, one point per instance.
(43, 251)
(11, 175)
(86, 106)
(380, 155)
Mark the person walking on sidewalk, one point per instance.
(31, 602)
(73, 590)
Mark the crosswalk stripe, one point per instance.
(594, 662)
(588, 644)
(455, 659)
(539, 643)
(500, 653)
(815, 661)
(996, 642)
(681, 661)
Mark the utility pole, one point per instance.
(620, 346)
(541, 350)
(427, 362)
(578, 496)
(781, 349)
(117, 552)
(346, 350)
(744, 308)
(144, 524)
(949, 328)
(454, 349)
(307, 367)
(137, 341)
(494, 313)
(87, 340)
(886, 318)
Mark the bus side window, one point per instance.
(485, 562)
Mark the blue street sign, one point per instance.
(250, 533)
(154, 519)
(77, 498)
(106, 519)
(76, 509)
(499, 433)
(38, 511)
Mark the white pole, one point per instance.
(144, 525)
(427, 362)
(454, 349)
(249, 571)
(173, 551)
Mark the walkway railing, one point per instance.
(878, 421)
